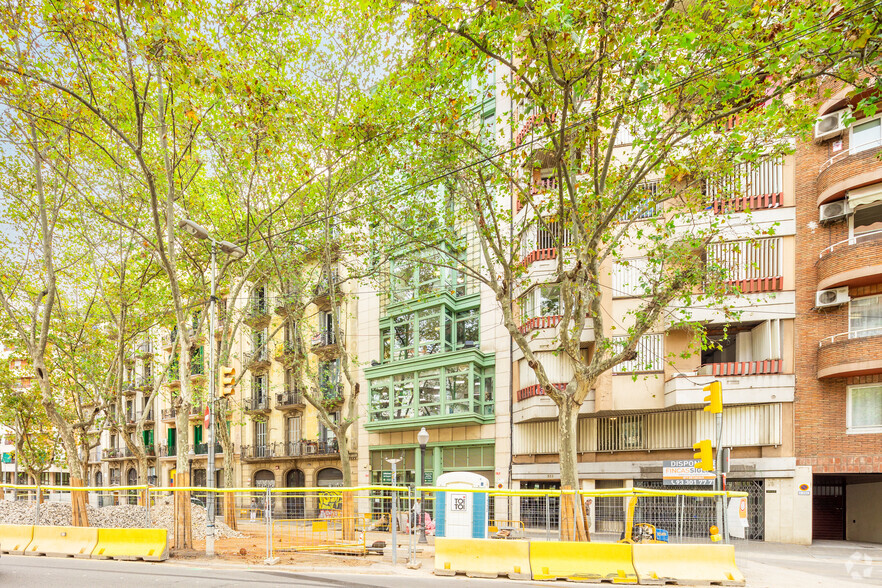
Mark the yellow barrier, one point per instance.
(63, 541)
(146, 544)
(686, 564)
(15, 538)
(585, 562)
(482, 558)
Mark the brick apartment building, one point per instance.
(839, 322)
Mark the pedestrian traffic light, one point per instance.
(705, 455)
(228, 380)
(715, 397)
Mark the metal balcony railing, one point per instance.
(324, 338)
(168, 414)
(287, 399)
(202, 449)
(257, 403)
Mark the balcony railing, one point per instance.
(289, 400)
(202, 449)
(168, 451)
(197, 410)
(290, 449)
(331, 393)
(324, 338)
(868, 236)
(257, 403)
(168, 414)
(856, 334)
(742, 368)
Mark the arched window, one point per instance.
(329, 478)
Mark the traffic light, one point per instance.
(705, 455)
(715, 397)
(228, 380)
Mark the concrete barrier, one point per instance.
(482, 558)
(15, 538)
(130, 544)
(657, 563)
(63, 541)
(582, 562)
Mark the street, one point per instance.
(766, 565)
(27, 572)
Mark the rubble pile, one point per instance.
(118, 517)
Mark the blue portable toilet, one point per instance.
(460, 512)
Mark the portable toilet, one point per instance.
(461, 514)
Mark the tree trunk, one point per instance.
(183, 533)
(572, 523)
(345, 463)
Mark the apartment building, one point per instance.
(649, 410)
(839, 320)
(277, 437)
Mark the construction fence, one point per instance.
(362, 520)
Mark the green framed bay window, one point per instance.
(445, 392)
(428, 331)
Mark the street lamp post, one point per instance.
(235, 252)
(423, 438)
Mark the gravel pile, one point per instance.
(118, 517)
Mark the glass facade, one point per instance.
(447, 390)
(429, 331)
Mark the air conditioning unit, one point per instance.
(832, 297)
(834, 211)
(829, 125)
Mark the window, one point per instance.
(258, 345)
(650, 354)
(424, 332)
(865, 316)
(867, 220)
(620, 433)
(866, 135)
(329, 378)
(468, 327)
(864, 409)
(293, 430)
(258, 300)
(415, 278)
(260, 438)
(746, 260)
(629, 277)
(457, 389)
(541, 301)
(258, 390)
(326, 435)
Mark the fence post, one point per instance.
(547, 518)
(147, 495)
(268, 514)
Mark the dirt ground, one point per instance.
(251, 549)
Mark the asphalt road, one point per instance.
(52, 572)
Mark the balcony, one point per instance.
(287, 401)
(288, 450)
(257, 316)
(116, 453)
(744, 382)
(129, 388)
(260, 404)
(852, 262)
(540, 322)
(847, 170)
(197, 411)
(168, 451)
(321, 292)
(854, 353)
(287, 304)
(288, 353)
(325, 344)
(145, 350)
(331, 395)
(257, 362)
(168, 414)
(202, 449)
(531, 404)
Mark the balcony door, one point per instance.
(260, 438)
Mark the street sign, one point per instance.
(386, 477)
(683, 472)
(428, 478)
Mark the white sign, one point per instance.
(736, 517)
(682, 472)
(458, 502)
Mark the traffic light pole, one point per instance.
(718, 468)
(212, 383)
